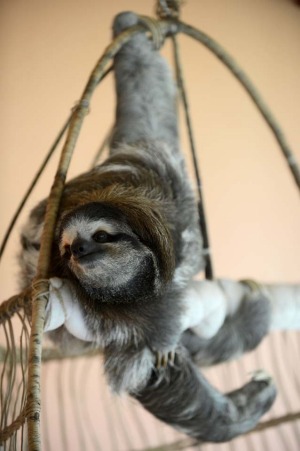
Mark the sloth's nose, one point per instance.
(80, 248)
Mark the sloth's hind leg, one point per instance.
(184, 399)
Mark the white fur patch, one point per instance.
(116, 167)
(84, 228)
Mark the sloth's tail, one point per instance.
(146, 95)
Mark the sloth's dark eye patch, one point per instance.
(101, 237)
(67, 249)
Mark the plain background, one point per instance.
(48, 50)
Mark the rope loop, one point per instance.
(155, 29)
(40, 288)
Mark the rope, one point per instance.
(191, 443)
(156, 32)
(201, 208)
(276, 422)
(8, 431)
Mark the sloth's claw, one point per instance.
(163, 359)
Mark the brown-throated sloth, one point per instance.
(128, 243)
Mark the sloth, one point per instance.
(128, 244)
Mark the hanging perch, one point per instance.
(206, 319)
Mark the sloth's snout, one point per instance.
(80, 248)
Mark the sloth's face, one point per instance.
(106, 257)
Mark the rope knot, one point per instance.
(40, 288)
(81, 104)
(155, 29)
(168, 9)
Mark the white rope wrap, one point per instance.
(206, 306)
(64, 309)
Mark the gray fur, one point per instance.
(131, 287)
(146, 109)
(185, 400)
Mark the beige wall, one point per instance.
(47, 52)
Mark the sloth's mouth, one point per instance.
(85, 259)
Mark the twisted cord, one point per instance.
(191, 443)
(40, 288)
(9, 431)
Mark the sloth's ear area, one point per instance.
(151, 227)
(149, 224)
